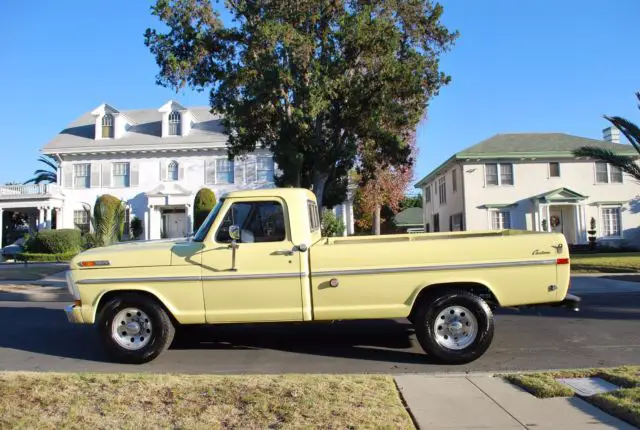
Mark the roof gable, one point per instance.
(409, 216)
(171, 106)
(560, 195)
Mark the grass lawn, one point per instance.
(624, 262)
(27, 273)
(45, 400)
(623, 403)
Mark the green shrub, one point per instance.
(55, 242)
(203, 203)
(45, 258)
(330, 225)
(89, 240)
(136, 227)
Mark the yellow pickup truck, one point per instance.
(259, 257)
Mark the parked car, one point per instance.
(260, 257)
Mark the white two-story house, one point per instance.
(532, 181)
(155, 160)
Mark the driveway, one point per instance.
(36, 336)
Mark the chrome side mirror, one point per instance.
(234, 232)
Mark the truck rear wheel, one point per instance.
(134, 329)
(456, 327)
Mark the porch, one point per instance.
(28, 208)
(562, 211)
(169, 212)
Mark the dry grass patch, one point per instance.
(623, 403)
(51, 401)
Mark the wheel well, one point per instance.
(116, 293)
(430, 291)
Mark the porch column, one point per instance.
(344, 219)
(350, 226)
(48, 218)
(40, 218)
(548, 217)
(187, 220)
(583, 223)
(147, 223)
(1, 226)
(58, 212)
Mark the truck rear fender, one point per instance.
(427, 292)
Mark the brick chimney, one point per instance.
(611, 135)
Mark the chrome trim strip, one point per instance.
(134, 280)
(191, 278)
(253, 276)
(433, 268)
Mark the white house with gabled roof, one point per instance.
(532, 181)
(155, 160)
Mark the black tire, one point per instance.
(161, 336)
(425, 326)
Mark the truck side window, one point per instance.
(258, 222)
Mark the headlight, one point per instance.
(71, 286)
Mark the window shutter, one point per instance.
(95, 175)
(134, 172)
(238, 171)
(67, 176)
(250, 172)
(106, 174)
(163, 170)
(180, 171)
(209, 172)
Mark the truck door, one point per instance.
(264, 282)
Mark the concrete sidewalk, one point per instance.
(485, 402)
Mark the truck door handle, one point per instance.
(284, 252)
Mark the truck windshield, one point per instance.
(206, 225)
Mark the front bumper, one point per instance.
(74, 314)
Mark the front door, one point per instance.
(175, 223)
(556, 220)
(265, 284)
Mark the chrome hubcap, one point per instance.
(131, 329)
(455, 327)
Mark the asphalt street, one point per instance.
(37, 337)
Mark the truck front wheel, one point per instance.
(456, 326)
(134, 329)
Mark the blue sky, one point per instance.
(544, 66)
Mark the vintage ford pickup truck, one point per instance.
(260, 257)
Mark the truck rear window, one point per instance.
(314, 217)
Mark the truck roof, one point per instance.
(285, 193)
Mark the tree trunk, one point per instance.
(376, 221)
(319, 182)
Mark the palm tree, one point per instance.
(46, 176)
(623, 162)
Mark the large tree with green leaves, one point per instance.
(309, 79)
(624, 162)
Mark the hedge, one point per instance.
(48, 258)
(55, 242)
(203, 203)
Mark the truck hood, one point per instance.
(132, 254)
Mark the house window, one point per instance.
(427, 194)
(121, 175)
(82, 175)
(81, 220)
(499, 174)
(174, 124)
(224, 171)
(442, 184)
(264, 169)
(456, 222)
(454, 180)
(107, 126)
(172, 171)
(611, 222)
(606, 173)
(500, 220)
(554, 170)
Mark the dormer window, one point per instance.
(174, 123)
(107, 126)
(172, 171)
